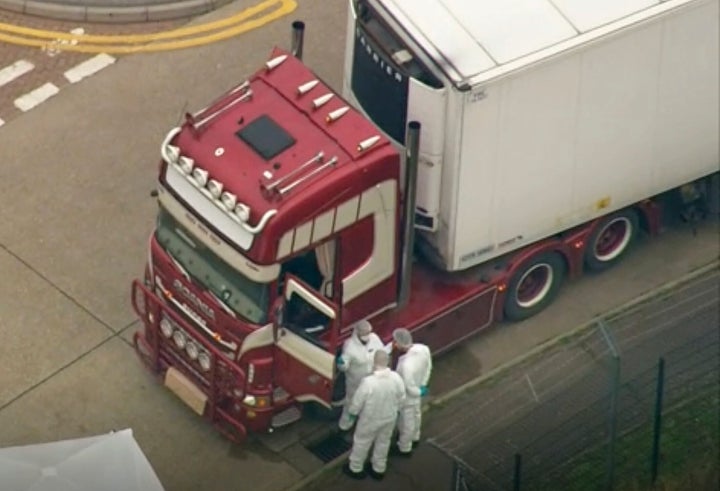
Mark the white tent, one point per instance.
(110, 462)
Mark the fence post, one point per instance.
(516, 474)
(657, 423)
(612, 415)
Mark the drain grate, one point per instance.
(330, 448)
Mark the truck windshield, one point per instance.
(381, 66)
(244, 296)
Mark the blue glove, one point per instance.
(423, 390)
(339, 361)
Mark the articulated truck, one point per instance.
(482, 153)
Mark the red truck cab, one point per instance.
(277, 200)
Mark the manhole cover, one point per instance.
(331, 447)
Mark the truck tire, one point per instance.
(534, 286)
(611, 239)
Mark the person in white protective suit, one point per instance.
(375, 405)
(356, 360)
(415, 367)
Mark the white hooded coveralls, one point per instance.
(357, 364)
(415, 367)
(376, 403)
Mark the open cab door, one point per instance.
(305, 325)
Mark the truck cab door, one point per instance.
(305, 332)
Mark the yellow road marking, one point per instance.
(130, 43)
(133, 38)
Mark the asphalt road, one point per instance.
(75, 177)
(24, 69)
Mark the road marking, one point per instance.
(17, 69)
(246, 20)
(53, 48)
(32, 99)
(532, 389)
(89, 67)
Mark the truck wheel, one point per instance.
(534, 286)
(611, 239)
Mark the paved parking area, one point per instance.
(75, 215)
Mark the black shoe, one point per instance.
(353, 475)
(394, 450)
(378, 476)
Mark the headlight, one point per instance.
(215, 187)
(229, 200)
(200, 177)
(257, 401)
(186, 164)
(242, 211)
(192, 350)
(166, 328)
(180, 339)
(204, 360)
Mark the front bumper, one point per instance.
(215, 393)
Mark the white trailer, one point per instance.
(537, 115)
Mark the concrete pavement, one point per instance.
(74, 221)
(491, 417)
(75, 216)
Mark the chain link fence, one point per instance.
(626, 403)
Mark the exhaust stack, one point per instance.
(412, 150)
(298, 34)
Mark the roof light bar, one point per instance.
(242, 211)
(229, 200)
(212, 188)
(186, 164)
(172, 153)
(200, 177)
(215, 187)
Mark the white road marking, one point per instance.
(32, 99)
(89, 67)
(532, 389)
(17, 69)
(55, 47)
